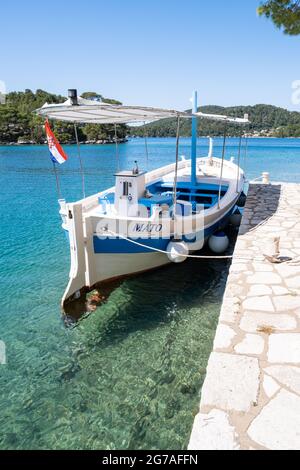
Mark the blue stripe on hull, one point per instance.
(119, 245)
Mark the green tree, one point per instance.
(284, 13)
(19, 122)
(262, 117)
(91, 95)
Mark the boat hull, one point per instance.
(116, 258)
(99, 257)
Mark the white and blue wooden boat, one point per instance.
(147, 219)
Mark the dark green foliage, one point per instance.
(263, 117)
(18, 121)
(292, 130)
(284, 13)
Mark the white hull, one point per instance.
(113, 266)
(95, 260)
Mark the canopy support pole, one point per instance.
(80, 161)
(222, 166)
(117, 149)
(245, 153)
(194, 142)
(176, 167)
(146, 146)
(238, 165)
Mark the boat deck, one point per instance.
(159, 183)
(251, 395)
(161, 193)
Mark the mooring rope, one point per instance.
(110, 232)
(218, 257)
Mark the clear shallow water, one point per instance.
(129, 375)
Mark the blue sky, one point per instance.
(150, 52)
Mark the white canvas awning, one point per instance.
(95, 112)
(220, 117)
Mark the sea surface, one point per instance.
(129, 375)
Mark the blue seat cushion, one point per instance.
(156, 200)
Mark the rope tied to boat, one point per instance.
(218, 257)
(165, 252)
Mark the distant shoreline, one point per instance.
(20, 144)
(123, 141)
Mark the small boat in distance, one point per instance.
(147, 219)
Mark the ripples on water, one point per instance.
(129, 375)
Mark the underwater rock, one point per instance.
(69, 372)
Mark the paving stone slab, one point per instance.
(251, 344)
(259, 303)
(284, 348)
(279, 290)
(277, 427)
(264, 278)
(270, 386)
(286, 302)
(238, 268)
(230, 310)
(286, 375)
(231, 382)
(252, 321)
(262, 267)
(287, 270)
(213, 431)
(224, 336)
(259, 289)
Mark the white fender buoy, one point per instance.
(177, 251)
(218, 242)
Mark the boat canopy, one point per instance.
(95, 112)
(220, 117)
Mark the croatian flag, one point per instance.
(56, 150)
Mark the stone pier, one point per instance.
(251, 394)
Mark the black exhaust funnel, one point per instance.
(72, 94)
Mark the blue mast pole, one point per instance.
(194, 142)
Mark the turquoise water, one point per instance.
(129, 375)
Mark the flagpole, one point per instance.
(56, 153)
(57, 180)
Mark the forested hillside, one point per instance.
(18, 123)
(265, 120)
